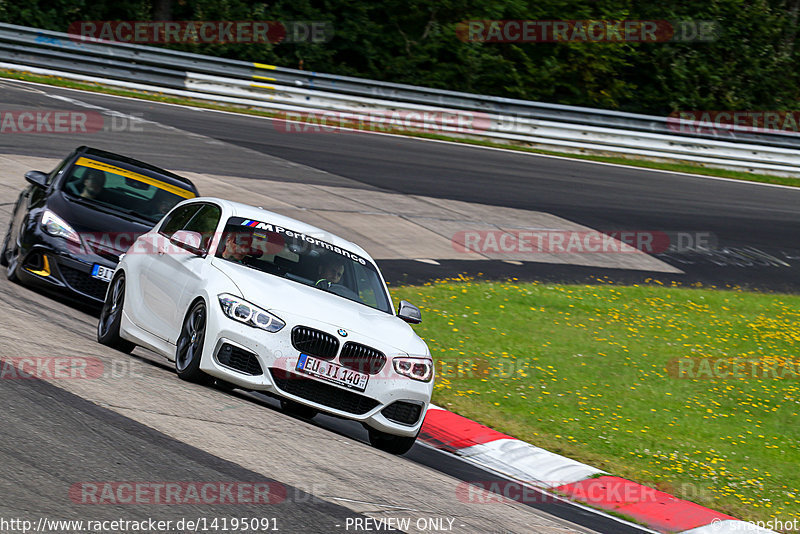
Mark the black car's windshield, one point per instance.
(122, 190)
(303, 258)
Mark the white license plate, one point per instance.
(102, 273)
(332, 372)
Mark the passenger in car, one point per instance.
(161, 203)
(237, 247)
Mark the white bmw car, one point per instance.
(268, 303)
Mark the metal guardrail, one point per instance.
(541, 124)
(183, 61)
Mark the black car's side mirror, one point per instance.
(409, 313)
(37, 178)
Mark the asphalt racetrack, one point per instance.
(137, 422)
(752, 228)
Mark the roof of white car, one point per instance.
(247, 211)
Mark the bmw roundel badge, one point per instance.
(342, 332)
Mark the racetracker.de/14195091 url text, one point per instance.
(197, 524)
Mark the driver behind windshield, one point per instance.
(330, 272)
(93, 184)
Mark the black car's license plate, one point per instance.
(102, 273)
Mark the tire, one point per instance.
(391, 443)
(7, 239)
(295, 409)
(111, 317)
(12, 267)
(3, 254)
(9, 259)
(190, 343)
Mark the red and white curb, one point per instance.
(578, 482)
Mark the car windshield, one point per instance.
(303, 258)
(122, 190)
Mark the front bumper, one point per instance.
(258, 360)
(47, 262)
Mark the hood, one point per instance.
(281, 295)
(107, 234)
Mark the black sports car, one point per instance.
(69, 227)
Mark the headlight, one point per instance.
(249, 314)
(55, 226)
(416, 368)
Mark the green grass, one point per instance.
(207, 104)
(585, 371)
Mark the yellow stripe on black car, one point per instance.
(92, 164)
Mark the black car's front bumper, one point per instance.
(49, 263)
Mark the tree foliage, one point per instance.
(750, 64)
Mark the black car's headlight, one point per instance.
(57, 227)
(417, 368)
(240, 310)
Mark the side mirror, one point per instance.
(189, 241)
(37, 178)
(409, 313)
